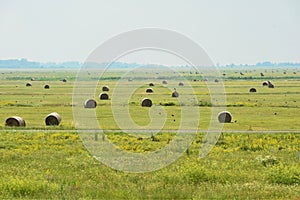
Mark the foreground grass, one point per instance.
(241, 166)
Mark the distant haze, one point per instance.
(231, 31)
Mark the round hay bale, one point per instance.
(265, 83)
(105, 88)
(151, 84)
(175, 94)
(149, 90)
(103, 96)
(15, 121)
(28, 85)
(216, 80)
(224, 117)
(47, 86)
(53, 119)
(252, 90)
(146, 102)
(64, 80)
(90, 103)
(181, 84)
(270, 85)
(164, 82)
(262, 74)
(130, 79)
(32, 79)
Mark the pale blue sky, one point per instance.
(231, 31)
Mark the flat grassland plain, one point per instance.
(256, 156)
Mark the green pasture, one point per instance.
(42, 162)
(267, 109)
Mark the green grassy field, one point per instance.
(53, 163)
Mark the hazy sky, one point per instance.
(231, 31)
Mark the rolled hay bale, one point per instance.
(47, 86)
(164, 82)
(149, 90)
(28, 85)
(90, 103)
(15, 121)
(105, 88)
(181, 84)
(224, 117)
(175, 94)
(265, 83)
(146, 102)
(53, 119)
(270, 85)
(64, 80)
(130, 79)
(151, 84)
(103, 96)
(262, 74)
(216, 80)
(252, 90)
(32, 79)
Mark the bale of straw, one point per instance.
(47, 86)
(175, 94)
(164, 82)
(270, 85)
(265, 83)
(146, 102)
(103, 96)
(90, 103)
(15, 121)
(105, 88)
(53, 119)
(28, 85)
(181, 84)
(151, 84)
(224, 117)
(149, 90)
(252, 90)
(64, 80)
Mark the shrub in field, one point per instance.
(287, 175)
(196, 176)
(204, 104)
(268, 160)
(167, 104)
